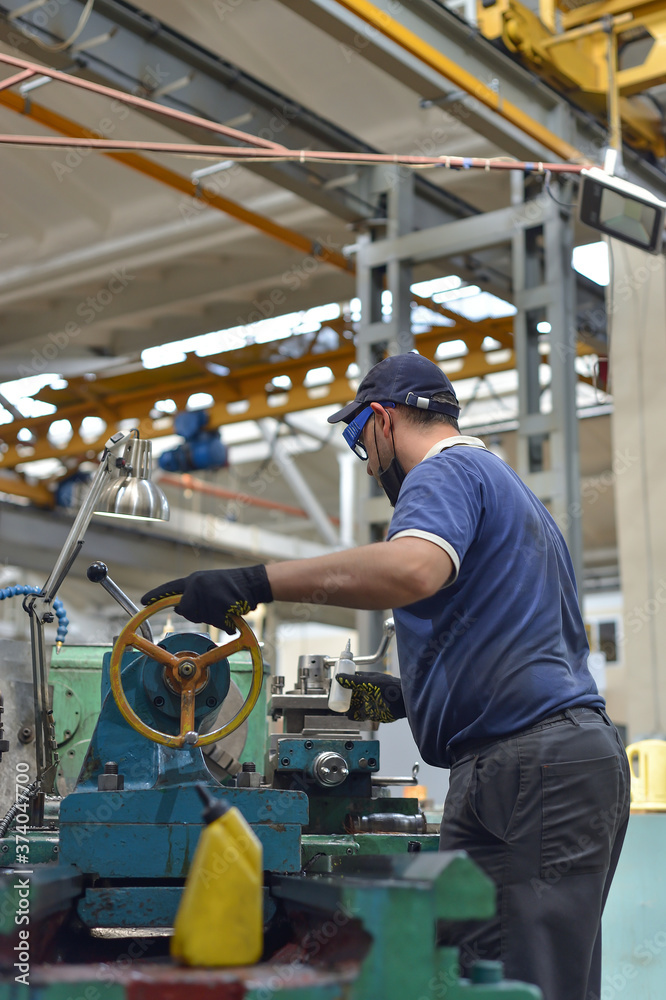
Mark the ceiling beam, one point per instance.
(246, 541)
(316, 250)
(179, 182)
(425, 46)
(17, 486)
(125, 298)
(143, 55)
(198, 231)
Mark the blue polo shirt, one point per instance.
(502, 645)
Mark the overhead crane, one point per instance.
(249, 384)
(580, 50)
(247, 394)
(252, 369)
(599, 54)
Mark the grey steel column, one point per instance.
(375, 339)
(387, 271)
(548, 452)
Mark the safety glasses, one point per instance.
(354, 430)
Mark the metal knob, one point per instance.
(330, 768)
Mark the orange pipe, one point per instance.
(188, 482)
(35, 69)
(241, 154)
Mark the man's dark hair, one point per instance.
(415, 415)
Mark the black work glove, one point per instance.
(375, 696)
(212, 595)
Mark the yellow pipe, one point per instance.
(572, 18)
(428, 54)
(178, 182)
(17, 487)
(587, 29)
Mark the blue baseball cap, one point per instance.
(409, 379)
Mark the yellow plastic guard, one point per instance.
(220, 917)
(647, 760)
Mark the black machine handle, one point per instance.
(98, 573)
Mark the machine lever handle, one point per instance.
(388, 633)
(98, 573)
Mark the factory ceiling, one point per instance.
(104, 255)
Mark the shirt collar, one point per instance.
(449, 442)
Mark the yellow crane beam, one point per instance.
(171, 178)
(381, 20)
(575, 17)
(247, 392)
(575, 59)
(16, 486)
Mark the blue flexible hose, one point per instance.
(58, 607)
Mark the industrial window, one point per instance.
(608, 641)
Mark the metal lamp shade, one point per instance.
(130, 492)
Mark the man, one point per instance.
(493, 663)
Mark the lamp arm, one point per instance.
(38, 607)
(74, 539)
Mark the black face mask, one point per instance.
(391, 480)
(392, 477)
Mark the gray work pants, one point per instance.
(544, 814)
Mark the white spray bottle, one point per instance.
(339, 698)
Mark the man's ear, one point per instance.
(382, 420)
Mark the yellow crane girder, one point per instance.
(247, 392)
(575, 58)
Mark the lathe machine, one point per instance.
(91, 878)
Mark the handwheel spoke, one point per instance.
(220, 652)
(187, 709)
(186, 685)
(150, 649)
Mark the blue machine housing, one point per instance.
(147, 831)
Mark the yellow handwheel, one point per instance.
(186, 673)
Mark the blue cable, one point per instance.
(58, 607)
